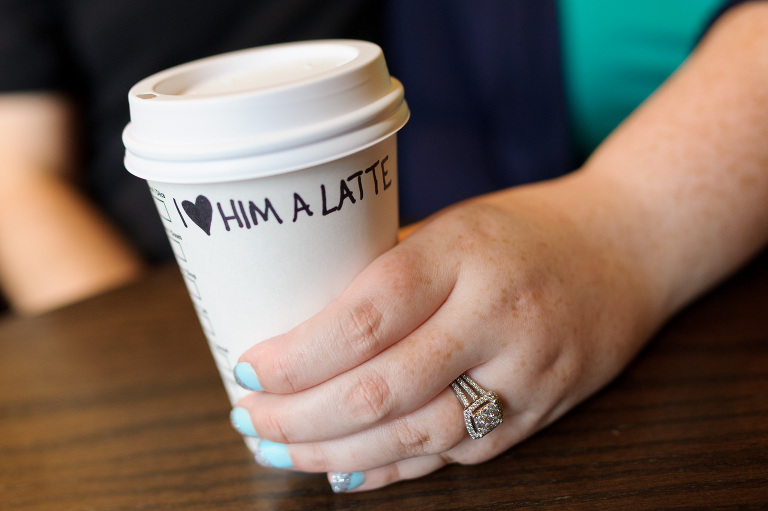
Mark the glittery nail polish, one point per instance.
(344, 481)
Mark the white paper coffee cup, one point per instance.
(274, 171)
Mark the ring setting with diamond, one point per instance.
(482, 409)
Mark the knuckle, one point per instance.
(405, 269)
(392, 475)
(370, 399)
(469, 456)
(475, 458)
(271, 427)
(282, 373)
(361, 326)
(447, 458)
(413, 441)
(313, 458)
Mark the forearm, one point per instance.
(682, 185)
(56, 248)
(693, 161)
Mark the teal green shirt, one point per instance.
(616, 52)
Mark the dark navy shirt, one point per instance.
(483, 80)
(485, 84)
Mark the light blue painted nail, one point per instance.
(272, 454)
(241, 421)
(355, 480)
(344, 481)
(246, 376)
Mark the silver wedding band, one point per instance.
(482, 409)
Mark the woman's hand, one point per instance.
(507, 288)
(541, 293)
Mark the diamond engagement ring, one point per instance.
(482, 410)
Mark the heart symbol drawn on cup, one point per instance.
(201, 212)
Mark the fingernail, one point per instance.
(271, 454)
(241, 421)
(344, 481)
(246, 376)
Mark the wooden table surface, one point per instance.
(115, 404)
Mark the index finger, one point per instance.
(387, 301)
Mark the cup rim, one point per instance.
(378, 109)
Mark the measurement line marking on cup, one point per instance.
(191, 281)
(223, 356)
(162, 209)
(176, 246)
(205, 322)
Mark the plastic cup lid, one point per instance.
(262, 111)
